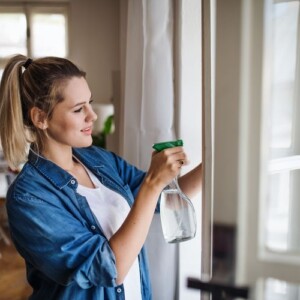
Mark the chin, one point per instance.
(88, 144)
(84, 144)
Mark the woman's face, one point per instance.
(72, 120)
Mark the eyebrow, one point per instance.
(82, 103)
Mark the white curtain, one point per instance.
(149, 115)
(149, 97)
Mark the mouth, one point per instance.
(87, 130)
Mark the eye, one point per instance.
(78, 110)
(82, 107)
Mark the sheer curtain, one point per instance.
(148, 114)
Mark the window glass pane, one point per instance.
(278, 208)
(283, 205)
(48, 35)
(285, 27)
(275, 289)
(282, 226)
(285, 32)
(12, 34)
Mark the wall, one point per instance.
(226, 110)
(94, 44)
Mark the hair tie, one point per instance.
(27, 63)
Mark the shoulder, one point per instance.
(28, 176)
(97, 156)
(94, 153)
(37, 185)
(23, 185)
(108, 162)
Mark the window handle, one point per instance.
(219, 291)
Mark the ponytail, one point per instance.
(13, 134)
(25, 84)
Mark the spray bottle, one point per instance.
(177, 212)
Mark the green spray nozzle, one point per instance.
(164, 145)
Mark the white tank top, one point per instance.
(111, 209)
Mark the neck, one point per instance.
(72, 167)
(61, 157)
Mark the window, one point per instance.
(284, 155)
(13, 35)
(33, 30)
(268, 206)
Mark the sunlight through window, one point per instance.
(33, 30)
(49, 35)
(12, 34)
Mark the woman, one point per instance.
(78, 215)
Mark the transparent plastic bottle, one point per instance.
(177, 212)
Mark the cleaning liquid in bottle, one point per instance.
(177, 212)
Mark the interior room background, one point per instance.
(102, 36)
(253, 95)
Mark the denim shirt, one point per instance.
(67, 256)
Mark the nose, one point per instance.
(91, 115)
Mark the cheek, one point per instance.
(63, 125)
(66, 126)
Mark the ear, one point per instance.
(38, 118)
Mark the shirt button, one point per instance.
(93, 227)
(73, 181)
(119, 290)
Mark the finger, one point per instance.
(173, 150)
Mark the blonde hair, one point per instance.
(39, 85)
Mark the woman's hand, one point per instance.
(165, 165)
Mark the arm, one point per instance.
(191, 183)
(131, 236)
(58, 242)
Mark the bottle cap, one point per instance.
(164, 145)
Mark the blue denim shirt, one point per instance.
(66, 254)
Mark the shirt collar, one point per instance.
(58, 176)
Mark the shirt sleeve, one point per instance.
(132, 176)
(58, 243)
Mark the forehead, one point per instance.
(76, 90)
